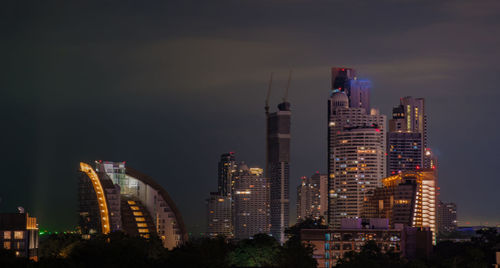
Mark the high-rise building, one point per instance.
(278, 168)
(251, 203)
(404, 151)
(446, 217)
(312, 197)
(116, 197)
(356, 156)
(407, 138)
(19, 233)
(227, 168)
(407, 198)
(219, 216)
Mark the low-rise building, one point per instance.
(19, 232)
(330, 245)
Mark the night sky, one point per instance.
(170, 85)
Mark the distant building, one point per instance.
(278, 167)
(331, 244)
(407, 198)
(226, 172)
(219, 216)
(19, 233)
(312, 197)
(446, 217)
(251, 203)
(115, 197)
(356, 156)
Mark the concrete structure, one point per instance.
(19, 232)
(408, 198)
(278, 167)
(407, 138)
(219, 216)
(115, 197)
(331, 244)
(251, 203)
(356, 156)
(312, 197)
(446, 217)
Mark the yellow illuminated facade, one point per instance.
(101, 198)
(424, 209)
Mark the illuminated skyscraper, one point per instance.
(312, 197)
(407, 138)
(115, 197)
(278, 168)
(227, 168)
(356, 148)
(251, 203)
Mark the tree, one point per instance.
(260, 251)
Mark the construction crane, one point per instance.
(268, 94)
(287, 86)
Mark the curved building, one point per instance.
(114, 197)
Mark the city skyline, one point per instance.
(132, 100)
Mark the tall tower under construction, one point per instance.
(277, 166)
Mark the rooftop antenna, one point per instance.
(287, 86)
(267, 122)
(268, 94)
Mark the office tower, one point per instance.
(356, 156)
(407, 198)
(227, 168)
(312, 197)
(359, 94)
(446, 217)
(278, 169)
(114, 197)
(407, 138)
(219, 216)
(341, 79)
(251, 203)
(404, 152)
(19, 233)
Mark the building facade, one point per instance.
(19, 233)
(446, 217)
(330, 245)
(251, 203)
(278, 168)
(312, 197)
(226, 173)
(116, 197)
(407, 138)
(219, 216)
(408, 198)
(356, 156)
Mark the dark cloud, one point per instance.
(169, 85)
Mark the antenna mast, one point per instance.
(268, 94)
(287, 86)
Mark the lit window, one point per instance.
(130, 202)
(140, 219)
(6, 235)
(18, 235)
(143, 230)
(134, 207)
(142, 224)
(6, 244)
(137, 213)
